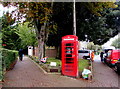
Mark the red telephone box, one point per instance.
(70, 55)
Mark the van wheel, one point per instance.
(110, 65)
(115, 68)
(84, 57)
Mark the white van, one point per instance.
(84, 54)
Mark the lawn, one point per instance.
(82, 63)
(58, 62)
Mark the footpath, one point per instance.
(27, 74)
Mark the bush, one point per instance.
(7, 57)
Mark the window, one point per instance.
(68, 55)
(69, 44)
(69, 60)
(83, 51)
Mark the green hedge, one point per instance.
(7, 57)
(1, 72)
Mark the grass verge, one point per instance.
(83, 63)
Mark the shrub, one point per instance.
(7, 57)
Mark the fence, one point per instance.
(49, 52)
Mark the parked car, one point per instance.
(84, 54)
(112, 57)
(117, 66)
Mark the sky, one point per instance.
(5, 9)
(110, 41)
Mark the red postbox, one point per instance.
(70, 55)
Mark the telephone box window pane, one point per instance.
(69, 44)
(68, 55)
(68, 48)
(69, 60)
(68, 51)
(68, 70)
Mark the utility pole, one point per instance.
(74, 18)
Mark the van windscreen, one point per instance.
(83, 51)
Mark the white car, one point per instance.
(84, 54)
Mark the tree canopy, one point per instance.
(26, 35)
(9, 37)
(38, 14)
(93, 19)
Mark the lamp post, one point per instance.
(74, 18)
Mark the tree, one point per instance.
(63, 17)
(26, 35)
(90, 46)
(95, 22)
(40, 16)
(0, 40)
(38, 13)
(9, 37)
(0, 34)
(92, 20)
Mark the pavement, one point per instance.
(27, 74)
(104, 76)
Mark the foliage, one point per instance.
(97, 28)
(26, 35)
(38, 14)
(63, 17)
(1, 76)
(9, 37)
(91, 46)
(0, 39)
(98, 7)
(43, 15)
(116, 42)
(17, 36)
(93, 19)
(8, 57)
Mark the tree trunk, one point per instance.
(42, 35)
(40, 48)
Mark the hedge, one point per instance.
(7, 57)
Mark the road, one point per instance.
(104, 75)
